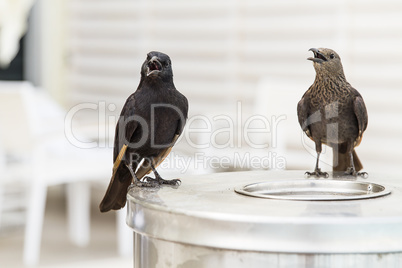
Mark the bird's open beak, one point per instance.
(154, 66)
(318, 57)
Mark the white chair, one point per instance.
(32, 130)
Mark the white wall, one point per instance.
(92, 52)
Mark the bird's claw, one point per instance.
(352, 172)
(364, 175)
(317, 173)
(174, 182)
(160, 181)
(144, 183)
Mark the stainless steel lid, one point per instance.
(314, 190)
(206, 211)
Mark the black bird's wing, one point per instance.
(127, 123)
(146, 169)
(115, 196)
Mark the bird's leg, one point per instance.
(317, 171)
(160, 180)
(351, 171)
(130, 168)
(136, 181)
(176, 182)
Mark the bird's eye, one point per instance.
(332, 56)
(167, 64)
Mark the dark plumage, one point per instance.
(151, 120)
(333, 112)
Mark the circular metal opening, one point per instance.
(314, 190)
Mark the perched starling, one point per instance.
(151, 120)
(332, 112)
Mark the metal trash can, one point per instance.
(206, 223)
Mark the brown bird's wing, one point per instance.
(342, 159)
(362, 117)
(303, 115)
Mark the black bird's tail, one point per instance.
(341, 161)
(115, 197)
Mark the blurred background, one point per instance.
(67, 67)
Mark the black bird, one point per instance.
(332, 112)
(151, 120)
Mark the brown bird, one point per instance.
(332, 112)
(151, 120)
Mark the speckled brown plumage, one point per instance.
(332, 112)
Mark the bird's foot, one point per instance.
(364, 175)
(317, 173)
(352, 172)
(160, 181)
(143, 183)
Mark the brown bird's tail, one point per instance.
(115, 197)
(341, 161)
